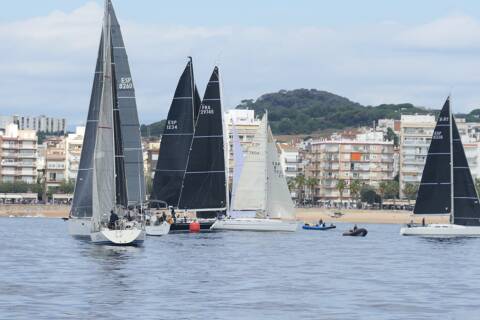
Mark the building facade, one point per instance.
(39, 124)
(18, 155)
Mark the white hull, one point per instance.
(118, 237)
(80, 227)
(253, 224)
(160, 230)
(441, 230)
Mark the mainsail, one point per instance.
(104, 197)
(176, 140)
(251, 189)
(434, 193)
(82, 198)
(204, 183)
(125, 102)
(238, 160)
(279, 200)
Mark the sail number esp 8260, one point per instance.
(125, 84)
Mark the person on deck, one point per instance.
(172, 212)
(113, 219)
(423, 222)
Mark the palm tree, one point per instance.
(355, 187)
(410, 190)
(311, 183)
(341, 185)
(300, 183)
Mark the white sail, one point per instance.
(250, 191)
(279, 201)
(237, 160)
(104, 154)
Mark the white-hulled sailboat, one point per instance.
(109, 192)
(79, 223)
(447, 187)
(261, 200)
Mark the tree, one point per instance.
(67, 186)
(341, 185)
(388, 190)
(477, 184)
(369, 195)
(300, 183)
(354, 188)
(392, 136)
(311, 184)
(410, 191)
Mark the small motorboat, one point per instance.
(359, 232)
(318, 227)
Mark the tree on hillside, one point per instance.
(341, 185)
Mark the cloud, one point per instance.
(49, 61)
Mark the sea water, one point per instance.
(46, 274)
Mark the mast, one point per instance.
(226, 154)
(452, 200)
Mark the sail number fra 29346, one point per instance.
(206, 109)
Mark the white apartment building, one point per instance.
(39, 124)
(415, 137)
(74, 142)
(18, 154)
(290, 160)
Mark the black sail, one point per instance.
(434, 193)
(466, 207)
(82, 198)
(128, 117)
(204, 185)
(176, 141)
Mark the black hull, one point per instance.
(185, 226)
(361, 232)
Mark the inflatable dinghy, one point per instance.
(317, 227)
(360, 232)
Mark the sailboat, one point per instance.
(260, 197)
(447, 186)
(191, 173)
(111, 166)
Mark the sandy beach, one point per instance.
(311, 215)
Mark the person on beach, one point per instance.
(423, 222)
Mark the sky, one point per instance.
(370, 51)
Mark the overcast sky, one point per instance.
(371, 51)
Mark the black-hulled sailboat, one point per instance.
(447, 186)
(112, 137)
(190, 174)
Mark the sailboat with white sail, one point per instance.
(447, 186)
(127, 129)
(261, 200)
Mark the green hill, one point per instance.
(304, 111)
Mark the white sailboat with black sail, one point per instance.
(127, 129)
(260, 200)
(447, 186)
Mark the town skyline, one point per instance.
(382, 55)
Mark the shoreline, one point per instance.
(310, 215)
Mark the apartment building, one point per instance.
(18, 154)
(290, 160)
(55, 161)
(151, 148)
(370, 161)
(74, 142)
(39, 124)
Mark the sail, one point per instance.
(104, 153)
(466, 208)
(204, 184)
(82, 197)
(176, 141)
(279, 200)
(124, 99)
(237, 160)
(251, 189)
(434, 193)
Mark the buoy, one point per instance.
(194, 226)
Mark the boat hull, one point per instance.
(360, 232)
(253, 224)
(441, 230)
(160, 230)
(80, 227)
(124, 237)
(318, 228)
(179, 227)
